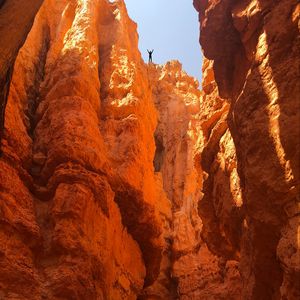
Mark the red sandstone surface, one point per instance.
(254, 47)
(121, 180)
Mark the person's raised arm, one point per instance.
(148, 51)
(152, 51)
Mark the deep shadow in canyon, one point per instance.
(122, 180)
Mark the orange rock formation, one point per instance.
(121, 180)
(254, 46)
(16, 20)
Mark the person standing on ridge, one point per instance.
(150, 55)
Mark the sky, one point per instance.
(171, 28)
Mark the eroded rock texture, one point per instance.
(121, 180)
(254, 47)
(78, 213)
(16, 18)
(185, 117)
(101, 174)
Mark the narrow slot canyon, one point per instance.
(126, 180)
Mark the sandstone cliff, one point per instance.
(100, 173)
(121, 180)
(254, 48)
(16, 18)
(184, 117)
(80, 219)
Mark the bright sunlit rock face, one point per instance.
(121, 180)
(15, 23)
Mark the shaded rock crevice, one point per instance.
(33, 91)
(122, 180)
(16, 22)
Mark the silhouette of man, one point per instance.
(150, 55)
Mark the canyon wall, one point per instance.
(185, 117)
(121, 180)
(79, 218)
(101, 175)
(16, 18)
(254, 49)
